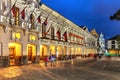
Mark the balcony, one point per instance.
(10, 22)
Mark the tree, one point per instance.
(118, 41)
(115, 16)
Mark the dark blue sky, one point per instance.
(92, 13)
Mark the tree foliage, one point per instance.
(115, 16)
(118, 40)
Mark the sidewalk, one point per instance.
(64, 70)
(110, 58)
(60, 63)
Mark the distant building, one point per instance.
(94, 33)
(101, 44)
(113, 46)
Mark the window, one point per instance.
(16, 35)
(113, 46)
(52, 33)
(119, 46)
(113, 42)
(32, 38)
(43, 30)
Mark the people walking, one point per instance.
(46, 60)
(52, 60)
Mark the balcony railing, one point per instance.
(22, 24)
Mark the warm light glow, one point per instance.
(33, 49)
(11, 72)
(52, 48)
(32, 37)
(113, 51)
(72, 51)
(16, 35)
(13, 35)
(59, 48)
(17, 48)
(65, 50)
(43, 50)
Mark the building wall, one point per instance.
(113, 48)
(32, 45)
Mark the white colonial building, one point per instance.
(113, 46)
(29, 32)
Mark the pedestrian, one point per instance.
(52, 60)
(46, 60)
(95, 56)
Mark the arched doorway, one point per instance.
(15, 53)
(31, 50)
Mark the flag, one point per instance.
(58, 34)
(45, 22)
(47, 31)
(39, 19)
(23, 14)
(13, 10)
(65, 35)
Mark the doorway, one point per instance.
(31, 51)
(12, 55)
(15, 53)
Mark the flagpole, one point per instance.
(30, 14)
(36, 19)
(12, 6)
(20, 12)
(48, 30)
(10, 11)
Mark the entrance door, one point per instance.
(42, 51)
(12, 56)
(30, 53)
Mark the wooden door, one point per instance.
(12, 56)
(30, 53)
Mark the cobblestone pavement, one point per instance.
(80, 69)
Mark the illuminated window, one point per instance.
(16, 35)
(32, 38)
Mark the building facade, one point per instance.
(30, 32)
(101, 44)
(113, 46)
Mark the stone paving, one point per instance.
(80, 69)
